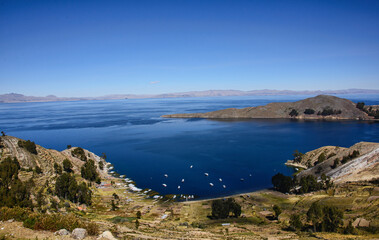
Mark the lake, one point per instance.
(144, 146)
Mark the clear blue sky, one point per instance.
(92, 48)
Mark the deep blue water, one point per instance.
(144, 146)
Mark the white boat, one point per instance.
(191, 166)
(223, 186)
(242, 179)
(250, 175)
(164, 185)
(183, 180)
(211, 184)
(178, 187)
(220, 179)
(206, 174)
(166, 175)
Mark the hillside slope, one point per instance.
(360, 162)
(319, 107)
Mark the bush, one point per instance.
(28, 145)
(55, 222)
(277, 211)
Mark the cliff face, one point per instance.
(319, 107)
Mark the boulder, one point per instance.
(62, 232)
(106, 235)
(79, 233)
(361, 222)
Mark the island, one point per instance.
(319, 107)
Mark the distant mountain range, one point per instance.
(15, 97)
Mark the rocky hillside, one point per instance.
(319, 107)
(360, 162)
(44, 158)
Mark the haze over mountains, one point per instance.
(15, 97)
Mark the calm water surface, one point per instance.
(145, 146)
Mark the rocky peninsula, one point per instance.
(319, 107)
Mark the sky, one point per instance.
(94, 48)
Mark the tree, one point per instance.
(138, 214)
(84, 194)
(221, 208)
(349, 229)
(3, 133)
(104, 156)
(298, 156)
(113, 205)
(89, 171)
(321, 158)
(67, 165)
(13, 192)
(137, 224)
(79, 153)
(277, 211)
(282, 183)
(309, 184)
(332, 218)
(295, 222)
(68, 146)
(101, 165)
(57, 168)
(336, 163)
(315, 216)
(293, 113)
(360, 105)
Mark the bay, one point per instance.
(144, 146)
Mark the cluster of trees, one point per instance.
(222, 208)
(28, 145)
(79, 153)
(68, 188)
(370, 111)
(89, 171)
(306, 184)
(309, 111)
(13, 192)
(351, 156)
(322, 218)
(329, 111)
